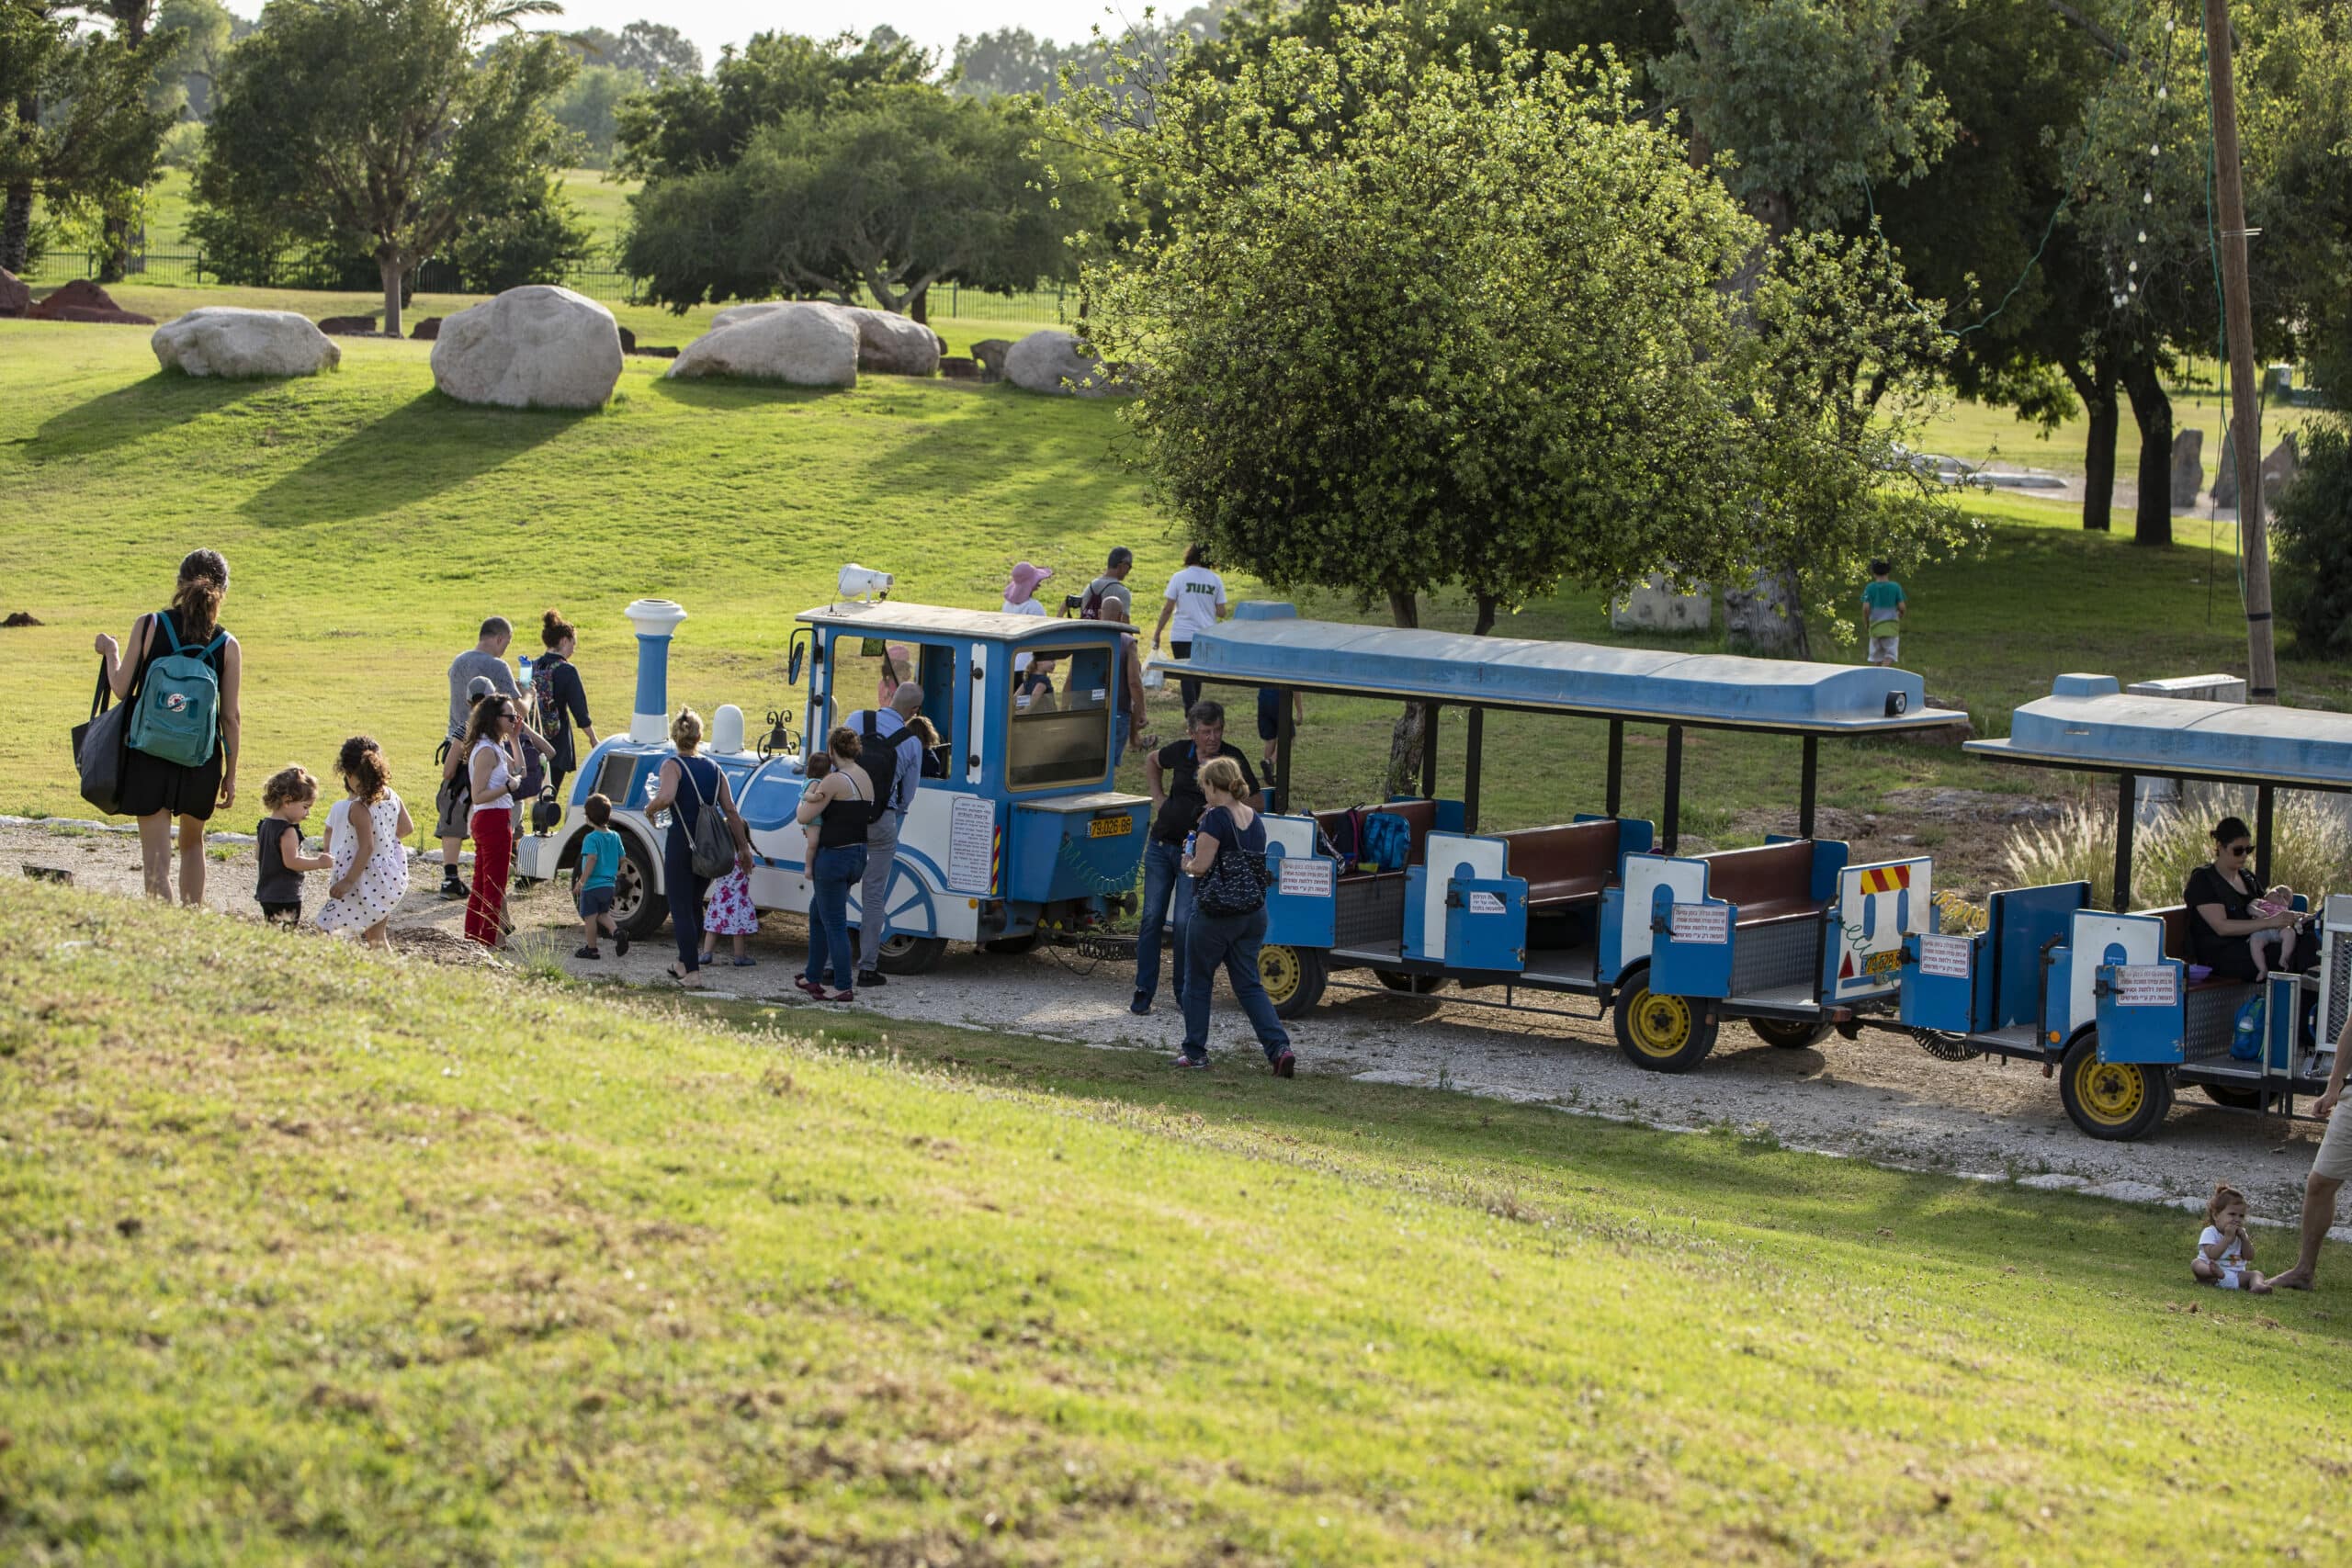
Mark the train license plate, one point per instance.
(1885, 963)
(1117, 827)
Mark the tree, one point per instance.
(1481, 335)
(206, 30)
(369, 123)
(688, 125)
(650, 50)
(589, 106)
(76, 127)
(892, 189)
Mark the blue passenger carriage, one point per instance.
(1786, 936)
(2102, 998)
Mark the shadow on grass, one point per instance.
(735, 391)
(425, 446)
(157, 403)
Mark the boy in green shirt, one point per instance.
(1883, 602)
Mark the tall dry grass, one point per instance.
(2311, 849)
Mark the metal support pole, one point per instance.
(1805, 780)
(2127, 810)
(1477, 736)
(1616, 765)
(2263, 802)
(1429, 750)
(1673, 813)
(1284, 730)
(2237, 319)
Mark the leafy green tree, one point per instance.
(1486, 337)
(76, 126)
(650, 50)
(370, 124)
(588, 105)
(2314, 531)
(690, 124)
(206, 30)
(892, 189)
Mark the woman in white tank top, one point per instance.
(492, 765)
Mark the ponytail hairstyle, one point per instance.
(2224, 1195)
(1196, 555)
(844, 745)
(554, 628)
(364, 768)
(686, 731)
(204, 581)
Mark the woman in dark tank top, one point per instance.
(842, 805)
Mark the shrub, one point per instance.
(2312, 848)
(2314, 523)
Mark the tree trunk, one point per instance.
(1404, 740)
(2152, 410)
(392, 270)
(1487, 608)
(16, 226)
(919, 305)
(2095, 388)
(114, 243)
(1766, 618)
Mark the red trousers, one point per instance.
(493, 834)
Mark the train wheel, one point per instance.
(1408, 985)
(637, 908)
(903, 953)
(1293, 976)
(1666, 1035)
(1011, 946)
(1789, 1034)
(2235, 1098)
(2111, 1101)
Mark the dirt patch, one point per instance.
(21, 618)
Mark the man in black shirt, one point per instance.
(1177, 802)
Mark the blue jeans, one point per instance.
(1164, 881)
(836, 872)
(686, 891)
(1231, 940)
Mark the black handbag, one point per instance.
(1235, 884)
(98, 748)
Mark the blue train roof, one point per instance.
(884, 619)
(2088, 722)
(1268, 645)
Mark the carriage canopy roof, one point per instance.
(2088, 722)
(884, 619)
(1270, 645)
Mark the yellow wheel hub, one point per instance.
(1278, 971)
(1660, 1025)
(2110, 1091)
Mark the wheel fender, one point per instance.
(637, 831)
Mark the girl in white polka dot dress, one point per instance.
(370, 861)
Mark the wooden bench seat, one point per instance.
(1568, 864)
(1773, 882)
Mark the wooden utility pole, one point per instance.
(2237, 319)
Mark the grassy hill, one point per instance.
(314, 1256)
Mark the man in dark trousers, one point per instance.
(1177, 802)
(892, 758)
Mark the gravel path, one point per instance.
(1879, 1099)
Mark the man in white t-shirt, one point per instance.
(1195, 603)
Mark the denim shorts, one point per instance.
(595, 901)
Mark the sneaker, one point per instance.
(745, 962)
(871, 977)
(585, 953)
(452, 888)
(1285, 1065)
(1190, 1062)
(1141, 1006)
(620, 944)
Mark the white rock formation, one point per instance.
(800, 343)
(228, 341)
(888, 345)
(1052, 362)
(537, 347)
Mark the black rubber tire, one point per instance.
(1011, 946)
(1408, 985)
(1302, 994)
(1643, 1024)
(635, 909)
(2113, 1101)
(1788, 1034)
(906, 955)
(2235, 1098)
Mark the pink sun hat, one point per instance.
(1025, 579)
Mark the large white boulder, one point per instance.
(1055, 362)
(230, 340)
(802, 343)
(537, 347)
(888, 345)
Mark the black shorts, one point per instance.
(595, 901)
(278, 914)
(1270, 713)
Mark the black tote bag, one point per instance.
(98, 748)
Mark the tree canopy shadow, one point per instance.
(130, 414)
(427, 446)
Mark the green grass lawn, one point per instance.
(372, 522)
(601, 200)
(318, 1258)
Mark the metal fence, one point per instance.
(606, 284)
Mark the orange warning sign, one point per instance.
(1885, 878)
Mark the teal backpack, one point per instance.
(179, 715)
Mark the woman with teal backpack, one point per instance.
(178, 675)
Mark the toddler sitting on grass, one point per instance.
(2224, 1254)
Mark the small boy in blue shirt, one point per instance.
(1882, 602)
(600, 869)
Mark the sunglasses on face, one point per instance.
(2241, 849)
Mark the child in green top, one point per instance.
(1882, 601)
